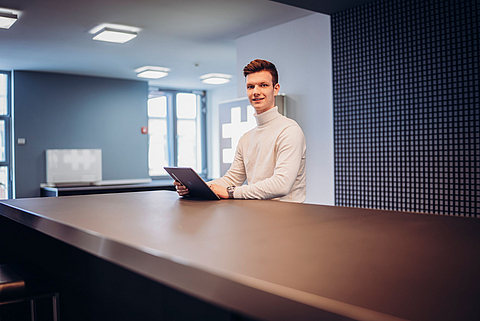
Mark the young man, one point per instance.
(271, 156)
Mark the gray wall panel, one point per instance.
(69, 111)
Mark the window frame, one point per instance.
(172, 137)
(7, 118)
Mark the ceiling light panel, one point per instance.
(152, 72)
(215, 79)
(8, 17)
(114, 35)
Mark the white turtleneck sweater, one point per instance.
(271, 158)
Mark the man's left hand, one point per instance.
(219, 190)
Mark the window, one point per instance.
(5, 135)
(176, 129)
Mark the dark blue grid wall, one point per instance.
(406, 106)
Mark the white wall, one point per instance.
(301, 50)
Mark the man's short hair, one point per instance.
(260, 65)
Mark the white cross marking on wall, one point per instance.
(235, 129)
(85, 157)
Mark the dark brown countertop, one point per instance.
(277, 260)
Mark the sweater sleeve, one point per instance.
(290, 149)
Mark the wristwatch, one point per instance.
(230, 191)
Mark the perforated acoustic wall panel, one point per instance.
(406, 106)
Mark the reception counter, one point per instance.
(252, 259)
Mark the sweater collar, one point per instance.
(267, 116)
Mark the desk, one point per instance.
(156, 185)
(274, 260)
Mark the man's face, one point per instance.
(260, 91)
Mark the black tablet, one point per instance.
(195, 184)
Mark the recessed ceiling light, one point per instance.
(114, 32)
(215, 79)
(114, 35)
(8, 17)
(152, 72)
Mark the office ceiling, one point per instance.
(191, 37)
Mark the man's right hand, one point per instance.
(181, 189)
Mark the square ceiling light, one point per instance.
(215, 79)
(152, 72)
(114, 33)
(8, 17)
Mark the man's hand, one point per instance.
(219, 190)
(181, 189)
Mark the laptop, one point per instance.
(195, 184)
